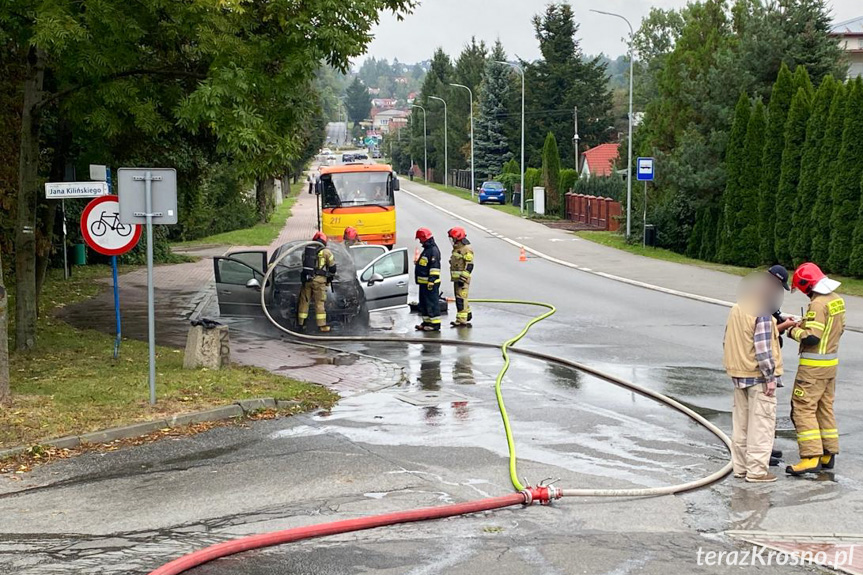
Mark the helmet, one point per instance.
(424, 235)
(457, 234)
(320, 237)
(806, 276)
(351, 234)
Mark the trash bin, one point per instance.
(79, 255)
(650, 235)
(516, 198)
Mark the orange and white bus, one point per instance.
(360, 196)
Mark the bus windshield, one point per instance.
(357, 189)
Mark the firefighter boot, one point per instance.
(806, 465)
(828, 460)
(324, 329)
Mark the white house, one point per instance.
(850, 36)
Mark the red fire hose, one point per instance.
(541, 494)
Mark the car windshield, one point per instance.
(493, 186)
(357, 189)
(288, 270)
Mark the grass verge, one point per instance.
(71, 384)
(259, 234)
(465, 195)
(850, 286)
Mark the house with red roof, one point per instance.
(599, 160)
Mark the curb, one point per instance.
(552, 259)
(239, 408)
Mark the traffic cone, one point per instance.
(522, 257)
(416, 255)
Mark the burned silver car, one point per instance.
(369, 278)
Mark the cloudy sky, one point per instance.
(451, 23)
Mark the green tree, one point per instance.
(4, 339)
(707, 251)
(789, 177)
(746, 221)
(568, 178)
(846, 191)
(827, 166)
(855, 265)
(735, 160)
(468, 71)
(551, 175)
(807, 191)
(437, 83)
(693, 246)
(491, 144)
(357, 101)
(771, 163)
(803, 81)
(560, 80)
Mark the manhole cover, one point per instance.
(432, 398)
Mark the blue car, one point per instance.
(492, 192)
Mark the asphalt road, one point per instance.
(437, 438)
(337, 133)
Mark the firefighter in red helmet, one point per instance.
(351, 237)
(461, 267)
(319, 269)
(815, 384)
(427, 274)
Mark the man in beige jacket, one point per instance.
(753, 360)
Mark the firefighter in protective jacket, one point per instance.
(815, 384)
(461, 268)
(319, 269)
(427, 273)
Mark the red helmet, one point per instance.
(351, 234)
(320, 237)
(806, 276)
(457, 234)
(424, 235)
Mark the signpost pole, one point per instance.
(118, 338)
(151, 312)
(65, 248)
(644, 220)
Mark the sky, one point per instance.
(451, 23)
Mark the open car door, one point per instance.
(233, 272)
(385, 280)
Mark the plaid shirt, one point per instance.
(763, 355)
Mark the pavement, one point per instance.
(436, 438)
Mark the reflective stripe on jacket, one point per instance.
(825, 319)
(461, 262)
(427, 268)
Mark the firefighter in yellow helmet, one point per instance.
(461, 267)
(319, 269)
(815, 384)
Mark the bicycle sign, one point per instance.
(102, 229)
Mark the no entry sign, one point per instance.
(102, 229)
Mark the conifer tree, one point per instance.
(822, 213)
(551, 174)
(746, 234)
(846, 188)
(734, 168)
(786, 197)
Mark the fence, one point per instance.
(594, 212)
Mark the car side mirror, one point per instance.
(376, 278)
(253, 284)
(396, 184)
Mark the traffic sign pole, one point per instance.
(645, 172)
(119, 330)
(151, 306)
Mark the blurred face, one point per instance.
(759, 294)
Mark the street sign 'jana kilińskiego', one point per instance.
(65, 190)
(102, 229)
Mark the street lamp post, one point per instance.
(575, 138)
(520, 71)
(472, 180)
(629, 151)
(425, 143)
(445, 142)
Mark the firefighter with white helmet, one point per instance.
(461, 268)
(815, 385)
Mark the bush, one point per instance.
(568, 177)
(613, 187)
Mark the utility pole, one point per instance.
(425, 143)
(629, 151)
(575, 138)
(472, 180)
(520, 71)
(445, 143)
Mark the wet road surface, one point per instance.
(437, 438)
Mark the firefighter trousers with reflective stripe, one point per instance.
(430, 305)
(753, 423)
(812, 414)
(463, 314)
(314, 290)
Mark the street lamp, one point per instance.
(472, 180)
(575, 138)
(445, 143)
(520, 71)
(629, 151)
(425, 142)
